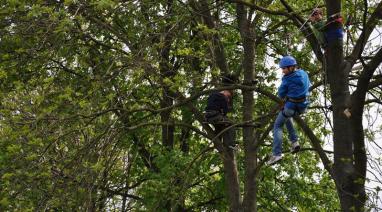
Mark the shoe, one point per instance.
(234, 147)
(295, 147)
(274, 159)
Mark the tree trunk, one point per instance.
(343, 140)
(357, 109)
(167, 100)
(360, 160)
(167, 130)
(250, 156)
(167, 72)
(228, 156)
(232, 180)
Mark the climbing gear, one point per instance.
(274, 159)
(313, 12)
(297, 111)
(296, 100)
(290, 35)
(234, 147)
(285, 115)
(213, 116)
(217, 118)
(295, 147)
(287, 61)
(336, 17)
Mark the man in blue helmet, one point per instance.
(294, 90)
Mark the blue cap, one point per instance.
(287, 61)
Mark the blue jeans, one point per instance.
(285, 116)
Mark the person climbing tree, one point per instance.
(294, 90)
(318, 26)
(218, 105)
(328, 31)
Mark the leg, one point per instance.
(229, 137)
(291, 131)
(289, 124)
(218, 129)
(278, 134)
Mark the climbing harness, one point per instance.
(296, 100)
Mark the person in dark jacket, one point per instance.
(218, 105)
(294, 89)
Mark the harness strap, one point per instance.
(212, 113)
(282, 112)
(299, 100)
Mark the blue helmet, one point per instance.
(287, 61)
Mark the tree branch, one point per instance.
(306, 30)
(358, 97)
(316, 144)
(168, 124)
(262, 9)
(366, 32)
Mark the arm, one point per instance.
(283, 89)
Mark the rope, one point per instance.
(325, 78)
(307, 19)
(323, 25)
(289, 35)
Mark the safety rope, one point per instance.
(324, 78)
(326, 24)
(288, 36)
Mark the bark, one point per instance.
(231, 180)
(339, 90)
(358, 103)
(228, 156)
(229, 162)
(167, 71)
(166, 101)
(250, 156)
(357, 109)
(366, 32)
(217, 52)
(305, 30)
(316, 143)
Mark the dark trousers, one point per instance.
(220, 123)
(228, 136)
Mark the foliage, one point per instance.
(81, 89)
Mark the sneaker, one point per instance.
(234, 147)
(295, 147)
(274, 159)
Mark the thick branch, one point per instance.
(262, 9)
(168, 124)
(366, 32)
(363, 83)
(218, 48)
(306, 30)
(316, 144)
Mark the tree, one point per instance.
(102, 101)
